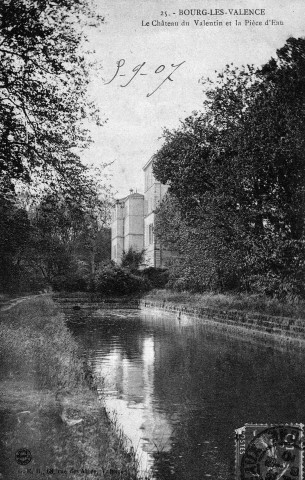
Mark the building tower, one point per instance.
(154, 191)
(127, 228)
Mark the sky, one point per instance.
(137, 113)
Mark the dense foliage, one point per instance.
(132, 259)
(57, 243)
(54, 209)
(44, 75)
(117, 281)
(236, 176)
(157, 277)
(15, 232)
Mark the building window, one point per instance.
(146, 235)
(151, 234)
(150, 205)
(146, 181)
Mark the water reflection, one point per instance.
(179, 389)
(129, 385)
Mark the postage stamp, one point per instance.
(269, 451)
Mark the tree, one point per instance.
(15, 231)
(44, 77)
(70, 232)
(236, 171)
(44, 115)
(203, 260)
(132, 259)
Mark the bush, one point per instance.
(70, 283)
(157, 277)
(132, 259)
(114, 280)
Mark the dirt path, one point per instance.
(7, 304)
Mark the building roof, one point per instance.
(135, 194)
(148, 163)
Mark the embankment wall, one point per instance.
(283, 330)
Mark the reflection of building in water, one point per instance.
(133, 222)
(129, 390)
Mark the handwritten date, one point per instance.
(137, 70)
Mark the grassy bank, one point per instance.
(46, 405)
(294, 307)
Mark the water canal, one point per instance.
(179, 390)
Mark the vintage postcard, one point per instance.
(152, 305)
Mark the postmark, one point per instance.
(23, 456)
(269, 452)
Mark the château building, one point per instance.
(127, 227)
(133, 221)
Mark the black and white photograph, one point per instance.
(152, 240)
